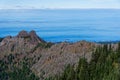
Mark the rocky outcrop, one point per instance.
(22, 34)
(54, 59)
(34, 37)
(24, 42)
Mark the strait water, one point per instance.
(63, 25)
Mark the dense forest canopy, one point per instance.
(1, 39)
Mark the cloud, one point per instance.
(22, 4)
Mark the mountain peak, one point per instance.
(34, 38)
(22, 43)
(22, 34)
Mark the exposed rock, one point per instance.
(23, 34)
(34, 37)
(54, 59)
(47, 58)
(23, 43)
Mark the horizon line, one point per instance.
(50, 8)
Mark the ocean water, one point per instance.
(63, 25)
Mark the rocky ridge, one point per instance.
(46, 59)
(24, 42)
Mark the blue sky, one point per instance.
(23, 4)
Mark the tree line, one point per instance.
(104, 65)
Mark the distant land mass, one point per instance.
(26, 56)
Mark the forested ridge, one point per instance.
(105, 65)
(11, 70)
(28, 57)
(1, 39)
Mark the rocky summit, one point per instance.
(31, 35)
(22, 34)
(24, 42)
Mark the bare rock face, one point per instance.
(23, 43)
(54, 59)
(34, 37)
(22, 34)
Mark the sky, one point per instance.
(54, 4)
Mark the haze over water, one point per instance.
(63, 25)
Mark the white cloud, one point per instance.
(23, 4)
